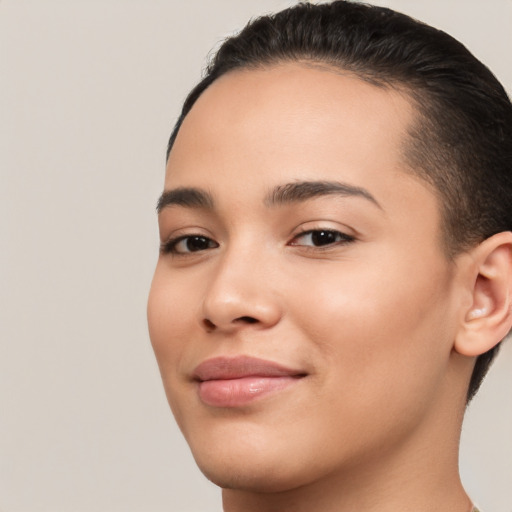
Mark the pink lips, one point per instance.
(236, 381)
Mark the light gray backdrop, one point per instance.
(89, 91)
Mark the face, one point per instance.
(302, 307)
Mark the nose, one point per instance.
(240, 294)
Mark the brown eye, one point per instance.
(197, 243)
(189, 244)
(321, 238)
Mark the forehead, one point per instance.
(294, 121)
(290, 105)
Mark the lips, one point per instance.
(237, 381)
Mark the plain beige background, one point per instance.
(89, 91)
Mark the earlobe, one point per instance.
(489, 317)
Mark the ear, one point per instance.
(489, 318)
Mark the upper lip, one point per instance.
(225, 368)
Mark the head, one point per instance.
(461, 140)
(336, 202)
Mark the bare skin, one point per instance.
(293, 232)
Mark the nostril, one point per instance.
(247, 319)
(210, 326)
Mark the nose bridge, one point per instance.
(239, 291)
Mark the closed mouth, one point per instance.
(237, 381)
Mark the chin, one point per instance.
(247, 466)
(250, 477)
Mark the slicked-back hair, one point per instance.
(461, 141)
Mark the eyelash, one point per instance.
(170, 246)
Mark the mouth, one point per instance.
(229, 382)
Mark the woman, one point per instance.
(335, 269)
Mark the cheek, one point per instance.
(171, 326)
(171, 306)
(382, 331)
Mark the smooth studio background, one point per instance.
(89, 91)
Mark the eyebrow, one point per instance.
(189, 197)
(192, 197)
(304, 190)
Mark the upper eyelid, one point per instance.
(302, 231)
(185, 231)
(308, 227)
(320, 228)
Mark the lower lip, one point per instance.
(239, 392)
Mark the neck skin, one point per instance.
(421, 475)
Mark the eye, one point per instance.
(321, 238)
(188, 244)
